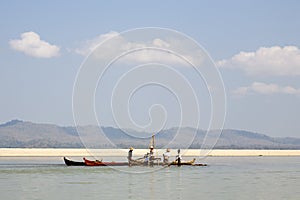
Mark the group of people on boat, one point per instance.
(149, 158)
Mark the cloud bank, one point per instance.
(265, 89)
(32, 45)
(121, 43)
(272, 61)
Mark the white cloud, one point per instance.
(32, 45)
(121, 44)
(160, 43)
(265, 89)
(276, 61)
(90, 45)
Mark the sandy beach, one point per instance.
(7, 152)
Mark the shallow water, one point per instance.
(223, 178)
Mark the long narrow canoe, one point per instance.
(100, 163)
(190, 162)
(87, 162)
(69, 162)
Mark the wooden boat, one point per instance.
(69, 162)
(101, 163)
(87, 162)
(199, 164)
(191, 162)
(142, 162)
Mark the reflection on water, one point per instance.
(224, 178)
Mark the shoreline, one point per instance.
(60, 152)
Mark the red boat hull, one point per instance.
(100, 163)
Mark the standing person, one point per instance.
(151, 155)
(166, 157)
(178, 158)
(130, 156)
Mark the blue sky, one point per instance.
(262, 84)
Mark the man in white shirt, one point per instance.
(166, 157)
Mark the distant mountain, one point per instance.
(23, 134)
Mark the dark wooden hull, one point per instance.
(73, 163)
(191, 162)
(87, 162)
(199, 164)
(100, 163)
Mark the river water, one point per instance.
(224, 178)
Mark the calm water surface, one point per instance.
(224, 178)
